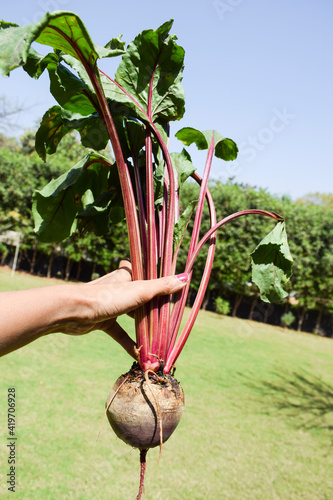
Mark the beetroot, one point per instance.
(140, 410)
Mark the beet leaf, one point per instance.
(271, 264)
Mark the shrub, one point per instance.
(287, 319)
(222, 306)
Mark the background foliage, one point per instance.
(309, 225)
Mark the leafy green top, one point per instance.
(133, 109)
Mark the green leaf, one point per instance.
(183, 165)
(79, 68)
(135, 134)
(225, 148)
(70, 91)
(95, 218)
(113, 48)
(181, 224)
(57, 122)
(271, 264)
(4, 25)
(66, 32)
(92, 130)
(107, 209)
(61, 30)
(189, 135)
(51, 130)
(116, 106)
(14, 46)
(56, 206)
(153, 60)
(37, 63)
(131, 134)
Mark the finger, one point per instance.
(125, 265)
(122, 274)
(119, 335)
(125, 262)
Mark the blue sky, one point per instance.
(258, 71)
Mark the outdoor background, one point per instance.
(259, 411)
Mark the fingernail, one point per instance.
(183, 277)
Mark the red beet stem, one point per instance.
(143, 454)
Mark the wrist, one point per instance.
(75, 307)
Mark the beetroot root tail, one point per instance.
(143, 454)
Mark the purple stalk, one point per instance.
(151, 264)
(254, 211)
(178, 309)
(163, 218)
(167, 252)
(202, 195)
(167, 248)
(141, 204)
(205, 277)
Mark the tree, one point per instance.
(320, 211)
(322, 199)
(323, 285)
(306, 244)
(9, 143)
(21, 173)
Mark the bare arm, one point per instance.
(77, 309)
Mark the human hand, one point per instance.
(115, 294)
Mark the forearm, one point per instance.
(29, 314)
(78, 309)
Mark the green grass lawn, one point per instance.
(258, 421)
